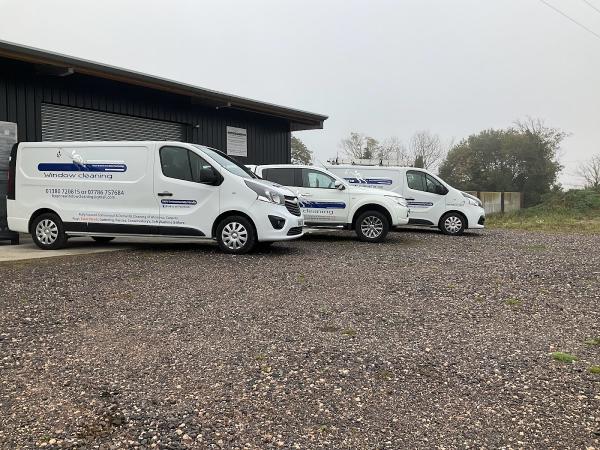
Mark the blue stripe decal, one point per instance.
(322, 205)
(179, 202)
(72, 167)
(379, 181)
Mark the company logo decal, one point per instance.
(179, 202)
(322, 205)
(77, 167)
(377, 181)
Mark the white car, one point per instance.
(328, 201)
(157, 189)
(432, 201)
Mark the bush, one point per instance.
(573, 210)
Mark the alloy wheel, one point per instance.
(371, 227)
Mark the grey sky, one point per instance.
(384, 68)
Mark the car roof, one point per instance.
(285, 166)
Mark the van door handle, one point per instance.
(409, 199)
(165, 194)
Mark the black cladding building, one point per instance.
(52, 97)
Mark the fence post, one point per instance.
(502, 202)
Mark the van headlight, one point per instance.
(399, 200)
(473, 202)
(265, 194)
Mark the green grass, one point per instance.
(349, 332)
(595, 370)
(593, 341)
(564, 357)
(329, 329)
(513, 301)
(574, 210)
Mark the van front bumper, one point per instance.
(476, 218)
(269, 217)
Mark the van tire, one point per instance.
(48, 232)
(452, 224)
(236, 235)
(103, 239)
(372, 226)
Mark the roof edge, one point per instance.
(299, 119)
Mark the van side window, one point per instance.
(201, 170)
(420, 181)
(282, 175)
(434, 186)
(317, 179)
(416, 180)
(175, 163)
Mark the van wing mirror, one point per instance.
(208, 175)
(339, 185)
(441, 190)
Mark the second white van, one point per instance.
(432, 201)
(327, 201)
(161, 189)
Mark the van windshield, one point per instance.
(228, 163)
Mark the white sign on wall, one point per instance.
(237, 141)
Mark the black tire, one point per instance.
(452, 224)
(48, 232)
(372, 226)
(103, 239)
(14, 241)
(236, 235)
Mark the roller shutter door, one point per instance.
(65, 123)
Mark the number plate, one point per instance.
(300, 222)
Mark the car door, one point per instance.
(426, 197)
(320, 201)
(186, 192)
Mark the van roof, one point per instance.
(358, 166)
(96, 143)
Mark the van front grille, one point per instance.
(291, 203)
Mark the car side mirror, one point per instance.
(208, 175)
(339, 185)
(441, 190)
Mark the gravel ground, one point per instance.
(423, 341)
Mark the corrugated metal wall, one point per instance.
(23, 89)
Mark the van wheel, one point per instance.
(372, 226)
(102, 239)
(48, 232)
(452, 224)
(235, 234)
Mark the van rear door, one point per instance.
(187, 206)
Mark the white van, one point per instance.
(432, 201)
(327, 201)
(159, 189)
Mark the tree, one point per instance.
(359, 146)
(392, 149)
(427, 149)
(521, 158)
(300, 152)
(590, 172)
(371, 148)
(419, 162)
